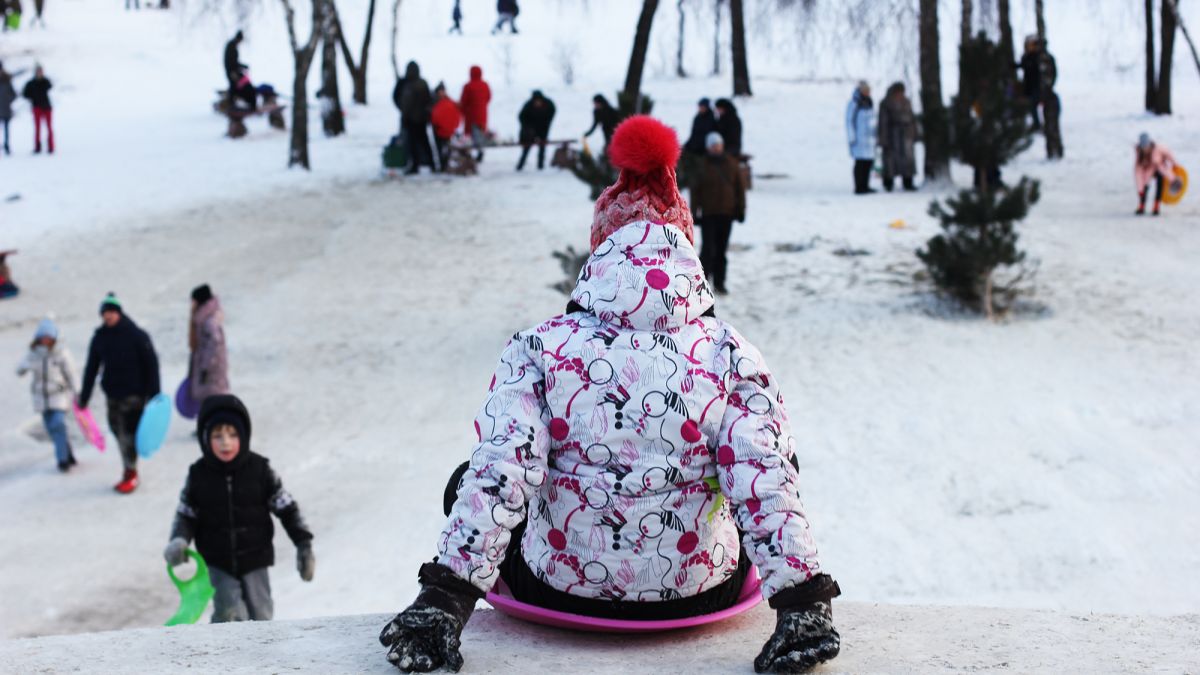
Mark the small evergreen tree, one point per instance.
(595, 169)
(989, 128)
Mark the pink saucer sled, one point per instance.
(91, 430)
(502, 600)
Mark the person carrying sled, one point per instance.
(208, 366)
(860, 133)
(37, 90)
(634, 456)
(1151, 161)
(226, 507)
(124, 352)
(604, 117)
(476, 95)
(53, 387)
(535, 118)
(897, 136)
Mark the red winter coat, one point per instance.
(474, 101)
(445, 118)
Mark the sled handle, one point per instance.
(201, 571)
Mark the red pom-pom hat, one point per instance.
(646, 151)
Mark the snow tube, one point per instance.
(502, 600)
(91, 430)
(1176, 188)
(194, 593)
(152, 430)
(187, 406)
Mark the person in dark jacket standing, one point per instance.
(1031, 77)
(507, 11)
(729, 125)
(130, 379)
(703, 123)
(1051, 104)
(897, 136)
(718, 197)
(414, 100)
(535, 118)
(37, 91)
(8, 94)
(226, 506)
(233, 66)
(604, 117)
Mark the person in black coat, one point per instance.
(37, 90)
(702, 124)
(729, 125)
(604, 117)
(130, 379)
(412, 97)
(507, 11)
(226, 506)
(1031, 77)
(535, 118)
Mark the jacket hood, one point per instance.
(225, 408)
(412, 71)
(644, 276)
(476, 73)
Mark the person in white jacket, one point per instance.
(634, 456)
(53, 387)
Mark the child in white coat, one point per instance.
(53, 387)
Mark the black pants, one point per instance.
(419, 152)
(714, 243)
(443, 151)
(526, 587)
(526, 145)
(1054, 145)
(124, 414)
(889, 181)
(862, 176)
(1158, 190)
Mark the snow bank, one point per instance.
(891, 638)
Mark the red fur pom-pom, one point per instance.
(642, 144)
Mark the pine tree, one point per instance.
(989, 128)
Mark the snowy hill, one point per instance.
(1047, 462)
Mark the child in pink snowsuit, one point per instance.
(634, 456)
(1151, 161)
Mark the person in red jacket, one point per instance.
(476, 95)
(445, 118)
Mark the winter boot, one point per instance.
(128, 483)
(63, 467)
(1155, 211)
(71, 458)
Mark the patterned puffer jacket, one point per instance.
(635, 438)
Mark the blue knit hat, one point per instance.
(46, 328)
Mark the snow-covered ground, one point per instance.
(1046, 462)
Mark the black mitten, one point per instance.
(425, 636)
(804, 634)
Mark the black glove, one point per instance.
(425, 636)
(804, 634)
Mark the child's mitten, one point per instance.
(804, 634)
(425, 636)
(176, 551)
(306, 562)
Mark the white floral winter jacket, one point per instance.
(637, 437)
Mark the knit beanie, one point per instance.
(110, 303)
(646, 151)
(46, 328)
(201, 294)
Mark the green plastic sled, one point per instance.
(194, 593)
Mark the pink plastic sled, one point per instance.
(91, 430)
(502, 600)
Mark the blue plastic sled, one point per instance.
(152, 430)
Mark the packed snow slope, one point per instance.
(1044, 462)
(875, 639)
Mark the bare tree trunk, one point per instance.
(934, 122)
(679, 71)
(1183, 29)
(395, 36)
(1151, 78)
(358, 72)
(1006, 34)
(717, 37)
(303, 58)
(1162, 102)
(637, 59)
(333, 120)
(741, 71)
(1040, 14)
(964, 37)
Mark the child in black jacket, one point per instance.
(226, 505)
